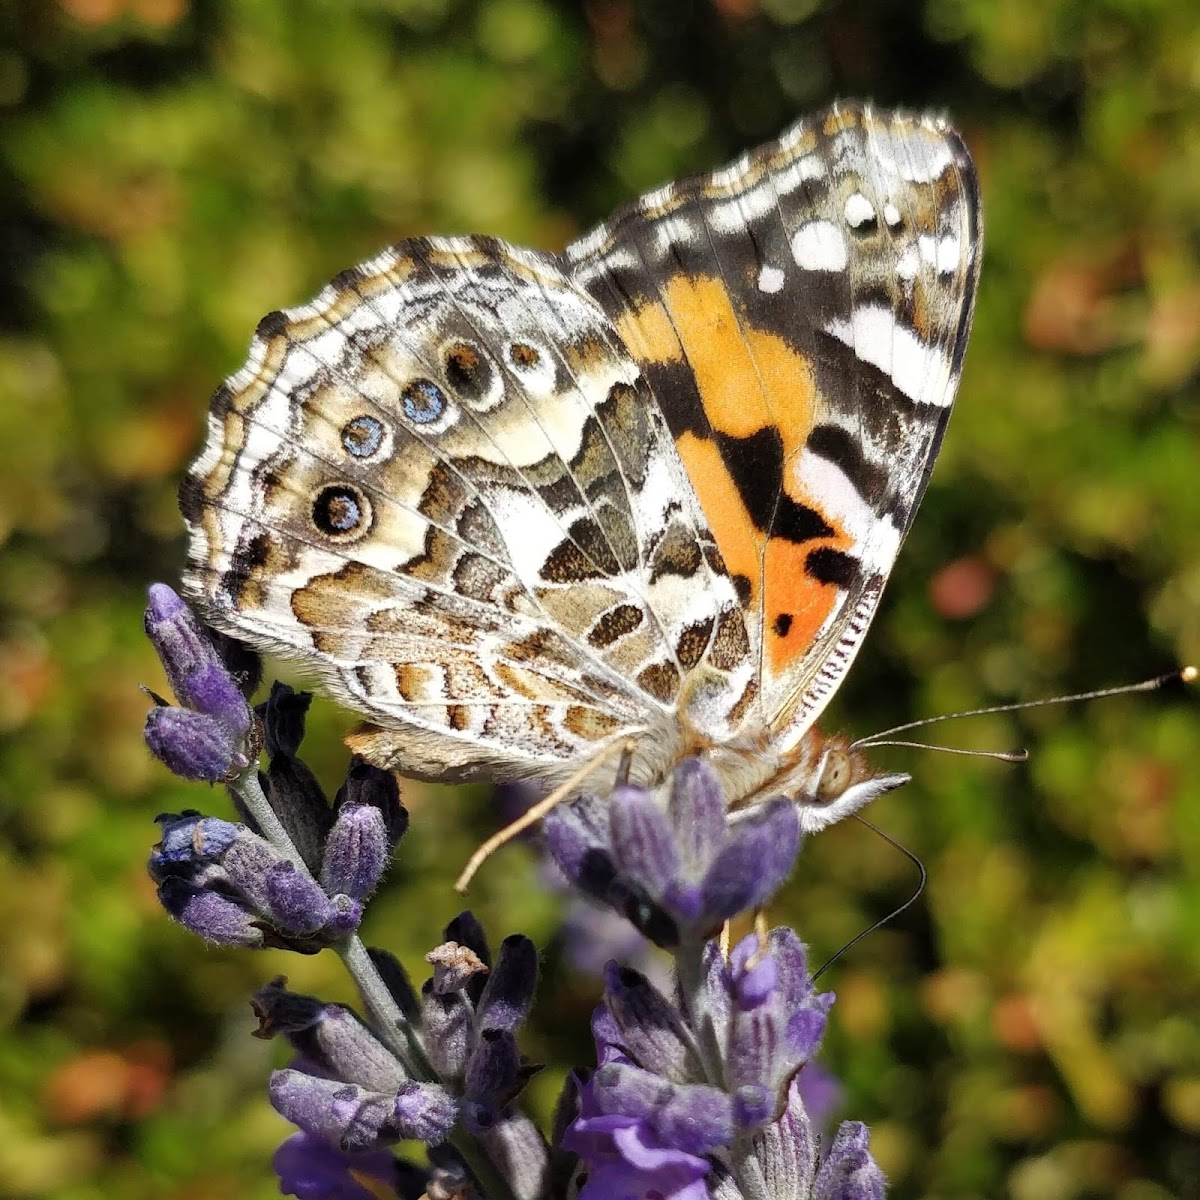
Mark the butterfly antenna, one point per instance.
(1009, 756)
(1184, 674)
(923, 876)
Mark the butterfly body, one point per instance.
(518, 508)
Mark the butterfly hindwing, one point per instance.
(444, 487)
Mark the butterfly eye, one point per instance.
(362, 436)
(341, 512)
(835, 775)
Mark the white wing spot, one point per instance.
(819, 246)
(770, 279)
(859, 210)
(891, 214)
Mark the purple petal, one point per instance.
(696, 1118)
(805, 1029)
(696, 808)
(791, 960)
(642, 839)
(758, 858)
(313, 1169)
(577, 839)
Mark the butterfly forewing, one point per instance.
(801, 316)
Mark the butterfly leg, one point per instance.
(537, 811)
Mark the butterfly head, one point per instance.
(833, 781)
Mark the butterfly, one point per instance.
(518, 508)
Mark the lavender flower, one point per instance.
(213, 735)
(711, 1082)
(678, 871)
(695, 1095)
(347, 1088)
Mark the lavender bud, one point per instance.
(295, 795)
(356, 851)
(396, 979)
(198, 676)
(192, 745)
(282, 714)
(508, 993)
(351, 1117)
(212, 916)
(493, 1069)
(371, 787)
(425, 1112)
(329, 1035)
(454, 966)
(294, 901)
(466, 930)
(651, 1028)
(448, 1023)
(849, 1172)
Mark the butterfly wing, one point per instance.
(802, 317)
(442, 486)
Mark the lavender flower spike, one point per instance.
(676, 871)
(213, 735)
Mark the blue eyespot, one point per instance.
(423, 401)
(339, 510)
(362, 436)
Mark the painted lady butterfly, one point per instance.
(518, 508)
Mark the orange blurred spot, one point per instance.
(93, 12)
(1073, 309)
(27, 678)
(104, 1083)
(1015, 1024)
(1029, 1112)
(159, 13)
(961, 589)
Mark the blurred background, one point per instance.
(172, 169)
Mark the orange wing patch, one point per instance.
(749, 381)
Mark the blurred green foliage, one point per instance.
(172, 169)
